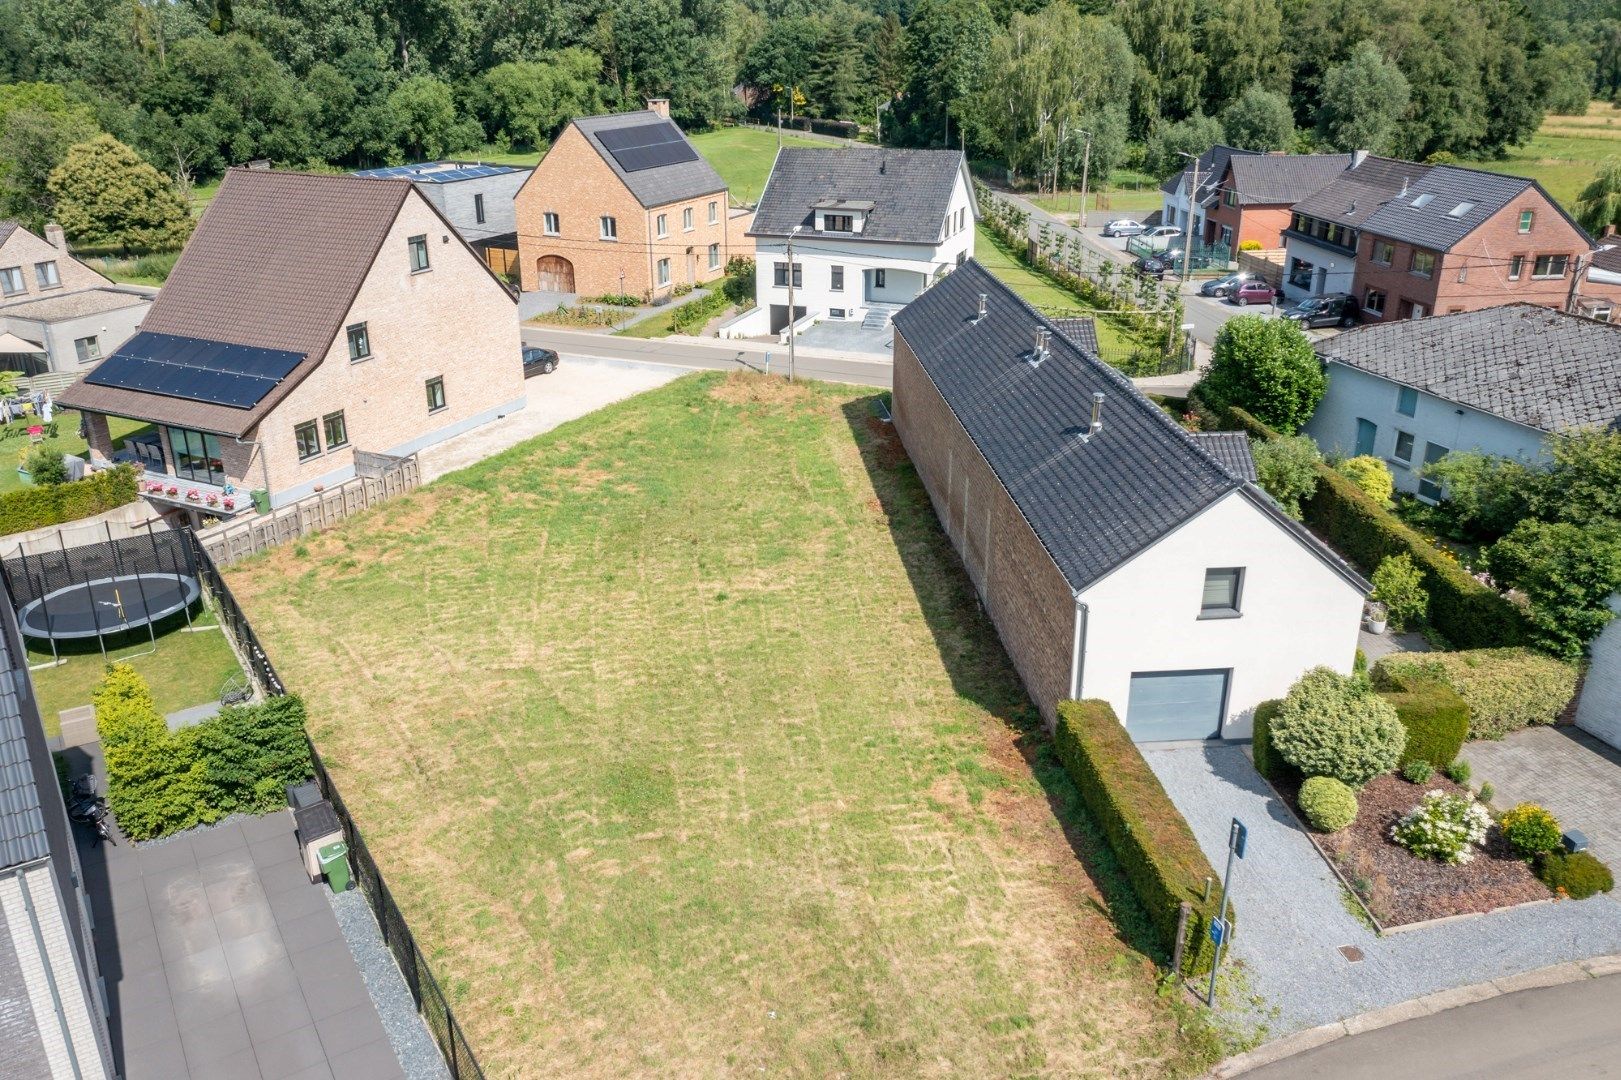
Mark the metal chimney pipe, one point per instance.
(1097, 418)
(983, 297)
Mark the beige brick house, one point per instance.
(309, 317)
(56, 313)
(624, 204)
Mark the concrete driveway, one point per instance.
(1563, 768)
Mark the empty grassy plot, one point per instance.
(743, 156)
(686, 751)
(1566, 151)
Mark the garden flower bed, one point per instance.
(1399, 888)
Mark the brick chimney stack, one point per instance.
(55, 237)
(660, 105)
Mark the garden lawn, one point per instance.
(686, 751)
(17, 447)
(743, 156)
(187, 669)
(1566, 151)
(1042, 291)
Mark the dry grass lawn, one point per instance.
(686, 751)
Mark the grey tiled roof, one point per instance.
(75, 304)
(1282, 179)
(1093, 505)
(910, 190)
(1083, 332)
(1212, 165)
(22, 822)
(1355, 195)
(1232, 449)
(1434, 225)
(1536, 367)
(6, 229)
(657, 186)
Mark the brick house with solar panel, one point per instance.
(308, 317)
(623, 204)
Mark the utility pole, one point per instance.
(1575, 285)
(1187, 231)
(779, 127)
(878, 122)
(1086, 162)
(792, 318)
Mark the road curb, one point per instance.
(1428, 1005)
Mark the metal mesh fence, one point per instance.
(231, 617)
(30, 575)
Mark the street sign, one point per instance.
(1218, 931)
(1237, 837)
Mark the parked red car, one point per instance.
(1252, 292)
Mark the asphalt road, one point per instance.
(723, 356)
(1559, 1031)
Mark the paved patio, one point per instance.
(222, 960)
(849, 336)
(1563, 768)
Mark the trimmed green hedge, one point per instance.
(1149, 836)
(1505, 689)
(41, 505)
(1436, 719)
(1268, 762)
(1469, 614)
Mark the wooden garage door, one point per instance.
(1172, 705)
(556, 274)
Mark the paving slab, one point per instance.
(1563, 768)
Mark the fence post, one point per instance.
(1182, 914)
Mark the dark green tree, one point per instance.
(38, 123)
(1170, 71)
(1259, 120)
(1267, 367)
(106, 196)
(1364, 101)
(947, 44)
(836, 83)
(1241, 42)
(529, 102)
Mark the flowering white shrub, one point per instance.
(1443, 826)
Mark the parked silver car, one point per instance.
(1124, 227)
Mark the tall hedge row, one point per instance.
(1469, 614)
(1147, 833)
(1436, 719)
(52, 504)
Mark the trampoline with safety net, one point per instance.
(108, 605)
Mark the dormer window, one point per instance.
(838, 223)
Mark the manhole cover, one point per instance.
(1351, 953)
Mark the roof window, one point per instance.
(1461, 209)
(1423, 200)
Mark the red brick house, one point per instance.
(1458, 239)
(1257, 192)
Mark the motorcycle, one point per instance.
(87, 807)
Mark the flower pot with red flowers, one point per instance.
(212, 499)
(229, 503)
(193, 495)
(174, 489)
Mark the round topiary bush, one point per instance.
(1327, 804)
(1578, 876)
(1530, 829)
(1417, 771)
(1331, 725)
(1370, 474)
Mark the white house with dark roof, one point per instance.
(1181, 204)
(870, 228)
(1119, 556)
(1499, 380)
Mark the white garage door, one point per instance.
(1169, 705)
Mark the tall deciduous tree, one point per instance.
(528, 102)
(1363, 102)
(107, 196)
(1170, 71)
(425, 119)
(1259, 120)
(38, 123)
(947, 45)
(1241, 42)
(1600, 201)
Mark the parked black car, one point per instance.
(1171, 260)
(538, 361)
(1331, 309)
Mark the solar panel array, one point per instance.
(647, 146)
(195, 369)
(432, 173)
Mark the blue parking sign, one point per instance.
(1218, 931)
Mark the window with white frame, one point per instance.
(608, 227)
(662, 225)
(714, 256)
(1516, 267)
(664, 271)
(1550, 266)
(552, 223)
(837, 284)
(1527, 219)
(11, 281)
(714, 212)
(686, 220)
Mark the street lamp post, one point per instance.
(1086, 161)
(791, 318)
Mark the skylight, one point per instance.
(1423, 200)
(1461, 209)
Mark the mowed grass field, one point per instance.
(1566, 151)
(1040, 290)
(686, 751)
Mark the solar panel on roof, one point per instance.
(647, 146)
(195, 369)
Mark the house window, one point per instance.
(838, 223)
(664, 271)
(87, 349)
(1406, 401)
(1602, 314)
(45, 274)
(714, 256)
(1428, 488)
(1422, 264)
(552, 224)
(418, 246)
(337, 432)
(11, 281)
(779, 275)
(686, 220)
(837, 284)
(1229, 197)
(197, 455)
(879, 278)
(478, 208)
(714, 212)
(1383, 252)
(1374, 301)
(359, 342)
(1404, 447)
(1222, 588)
(609, 227)
(1367, 434)
(308, 440)
(1549, 266)
(663, 225)
(436, 394)
(835, 313)
(1527, 218)
(1516, 267)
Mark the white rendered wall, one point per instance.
(1297, 613)
(1340, 267)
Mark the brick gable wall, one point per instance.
(23, 249)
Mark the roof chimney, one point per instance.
(55, 237)
(1039, 352)
(980, 314)
(1358, 157)
(1097, 418)
(660, 105)
(1404, 185)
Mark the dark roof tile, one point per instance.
(663, 184)
(910, 190)
(1282, 179)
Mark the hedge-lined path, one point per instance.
(1292, 919)
(1563, 768)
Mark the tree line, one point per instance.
(194, 86)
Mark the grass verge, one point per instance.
(1042, 291)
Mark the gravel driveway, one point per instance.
(1292, 921)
